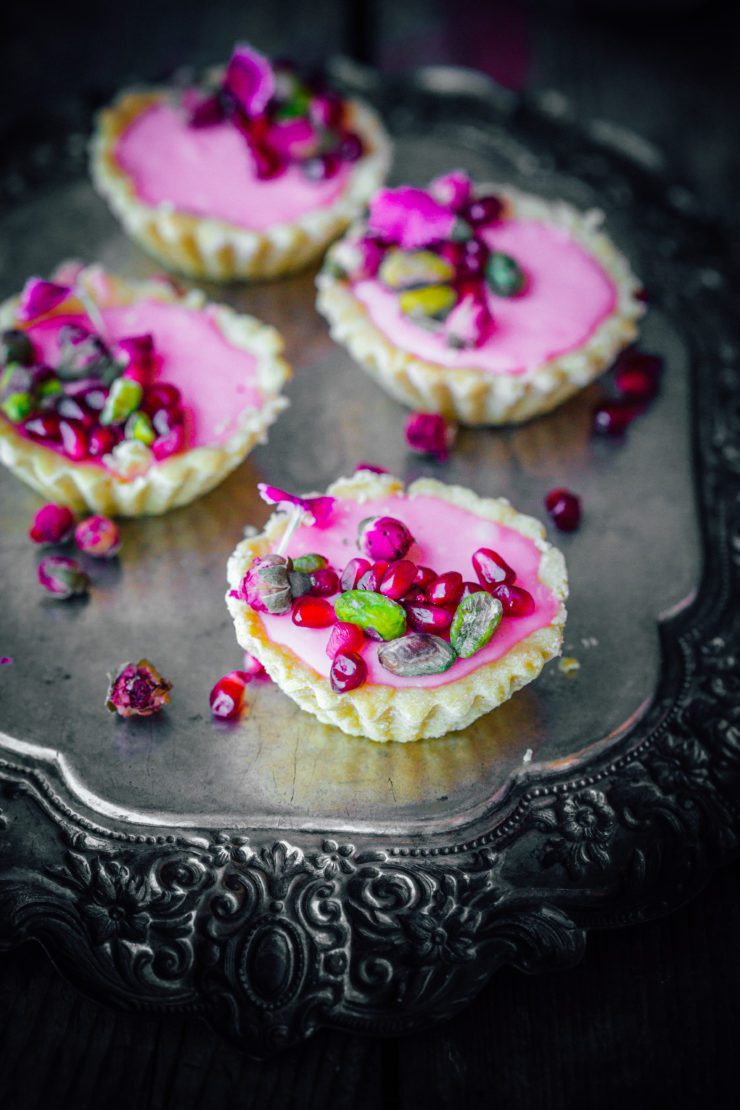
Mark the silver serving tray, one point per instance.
(277, 873)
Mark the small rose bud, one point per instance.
(52, 524)
(138, 690)
(428, 433)
(62, 577)
(266, 586)
(384, 537)
(98, 536)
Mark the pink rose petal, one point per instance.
(250, 80)
(39, 297)
(318, 507)
(410, 217)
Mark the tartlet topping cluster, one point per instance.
(100, 403)
(285, 119)
(425, 621)
(428, 247)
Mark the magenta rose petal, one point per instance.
(39, 297)
(318, 507)
(410, 217)
(250, 80)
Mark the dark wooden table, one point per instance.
(651, 1017)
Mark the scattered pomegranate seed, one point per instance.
(352, 574)
(428, 433)
(428, 618)
(52, 524)
(372, 579)
(516, 602)
(398, 579)
(344, 637)
(424, 575)
(227, 696)
(637, 375)
(348, 671)
(446, 589)
(252, 666)
(613, 418)
(313, 612)
(324, 582)
(565, 509)
(491, 569)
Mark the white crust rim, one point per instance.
(181, 478)
(475, 396)
(204, 247)
(387, 713)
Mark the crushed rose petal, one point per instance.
(39, 297)
(371, 467)
(250, 80)
(137, 690)
(410, 217)
(318, 507)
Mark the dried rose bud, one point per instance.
(62, 577)
(428, 433)
(138, 690)
(98, 536)
(52, 524)
(266, 585)
(384, 537)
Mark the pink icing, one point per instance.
(207, 171)
(446, 536)
(217, 380)
(567, 296)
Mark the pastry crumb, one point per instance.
(568, 665)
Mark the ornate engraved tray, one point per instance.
(279, 876)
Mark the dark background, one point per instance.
(651, 1018)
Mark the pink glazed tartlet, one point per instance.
(250, 175)
(398, 614)
(485, 304)
(128, 398)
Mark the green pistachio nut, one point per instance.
(51, 387)
(139, 426)
(123, 399)
(307, 563)
(17, 406)
(412, 269)
(476, 619)
(433, 302)
(504, 275)
(417, 654)
(372, 611)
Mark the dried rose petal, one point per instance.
(318, 507)
(429, 433)
(371, 467)
(138, 356)
(293, 138)
(410, 217)
(5, 660)
(52, 524)
(249, 79)
(39, 297)
(452, 189)
(62, 577)
(138, 690)
(98, 536)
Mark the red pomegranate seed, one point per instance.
(101, 441)
(424, 575)
(94, 398)
(164, 446)
(565, 509)
(161, 395)
(428, 618)
(446, 589)
(69, 408)
(45, 426)
(372, 578)
(491, 569)
(227, 696)
(313, 612)
(483, 211)
(470, 588)
(415, 594)
(398, 579)
(473, 261)
(516, 602)
(613, 418)
(344, 637)
(352, 574)
(348, 671)
(324, 582)
(166, 420)
(637, 375)
(74, 440)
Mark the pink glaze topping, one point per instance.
(209, 171)
(217, 380)
(568, 295)
(446, 536)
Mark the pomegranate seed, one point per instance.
(446, 589)
(398, 579)
(101, 441)
(483, 211)
(372, 579)
(452, 252)
(415, 594)
(473, 261)
(352, 574)
(565, 509)
(161, 395)
(428, 618)
(350, 147)
(166, 420)
(138, 373)
(252, 667)
(313, 612)
(491, 569)
(324, 582)
(74, 440)
(516, 602)
(95, 398)
(168, 445)
(637, 375)
(348, 671)
(344, 637)
(424, 575)
(268, 163)
(613, 418)
(45, 426)
(69, 408)
(227, 696)
(469, 588)
(322, 167)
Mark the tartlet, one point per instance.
(485, 304)
(146, 416)
(251, 176)
(448, 525)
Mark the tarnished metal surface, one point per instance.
(634, 558)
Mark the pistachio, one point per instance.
(433, 302)
(307, 563)
(123, 399)
(17, 406)
(419, 653)
(476, 619)
(411, 269)
(504, 275)
(139, 426)
(372, 612)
